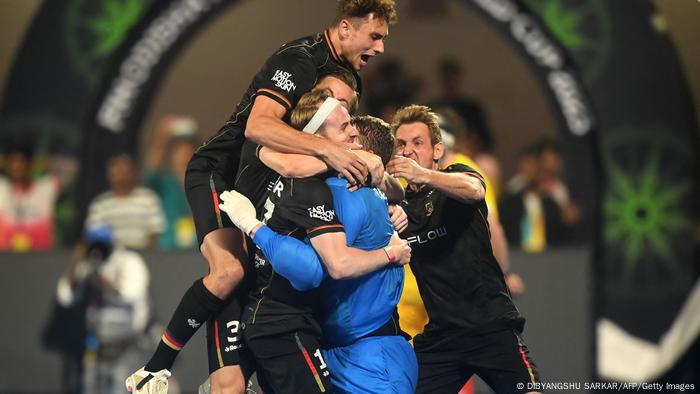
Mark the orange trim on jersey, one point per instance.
(324, 227)
(286, 101)
(330, 45)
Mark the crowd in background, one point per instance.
(147, 209)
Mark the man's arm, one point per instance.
(291, 165)
(466, 187)
(499, 244)
(265, 127)
(392, 189)
(344, 262)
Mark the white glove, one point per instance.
(240, 210)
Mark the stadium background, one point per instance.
(638, 77)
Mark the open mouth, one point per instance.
(365, 58)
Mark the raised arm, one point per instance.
(464, 186)
(291, 165)
(265, 127)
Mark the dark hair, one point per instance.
(385, 9)
(335, 70)
(375, 135)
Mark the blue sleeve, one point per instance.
(291, 258)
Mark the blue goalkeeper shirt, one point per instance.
(352, 308)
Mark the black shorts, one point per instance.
(225, 345)
(500, 358)
(290, 362)
(203, 186)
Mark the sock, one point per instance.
(196, 307)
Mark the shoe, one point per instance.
(144, 382)
(205, 388)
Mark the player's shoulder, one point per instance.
(301, 47)
(460, 167)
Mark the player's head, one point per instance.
(362, 26)
(318, 112)
(418, 136)
(341, 82)
(375, 136)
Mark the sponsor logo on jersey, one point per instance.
(193, 323)
(259, 261)
(283, 81)
(428, 236)
(319, 212)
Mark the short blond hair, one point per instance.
(307, 106)
(418, 113)
(384, 9)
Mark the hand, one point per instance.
(406, 168)
(400, 251)
(374, 165)
(398, 217)
(240, 210)
(515, 284)
(342, 159)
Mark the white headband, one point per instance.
(320, 116)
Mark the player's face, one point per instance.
(337, 127)
(413, 141)
(363, 39)
(340, 89)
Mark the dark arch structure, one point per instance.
(625, 133)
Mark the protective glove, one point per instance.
(240, 210)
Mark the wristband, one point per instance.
(390, 254)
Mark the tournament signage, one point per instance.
(645, 262)
(113, 122)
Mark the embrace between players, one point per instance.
(310, 304)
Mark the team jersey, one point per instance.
(299, 208)
(254, 179)
(460, 282)
(286, 76)
(355, 307)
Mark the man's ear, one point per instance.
(344, 29)
(438, 151)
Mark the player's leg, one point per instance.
(440, 367)
(381, 364)
(229, 367)
(290, 363)
(223, 247)
(505, 363)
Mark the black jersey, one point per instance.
(286, 76)
(299, 208)
(254, 179)
(458, 277)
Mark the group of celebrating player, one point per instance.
(310, 304)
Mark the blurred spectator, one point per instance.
(133, 212)
(531, 214)
(112, 284)
(388, 88)
(26, 204)
(479, 141)
(174, 142)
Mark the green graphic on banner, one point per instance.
(95, 29)
(582, 27)
(643, 212)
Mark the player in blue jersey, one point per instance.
(365, 350)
